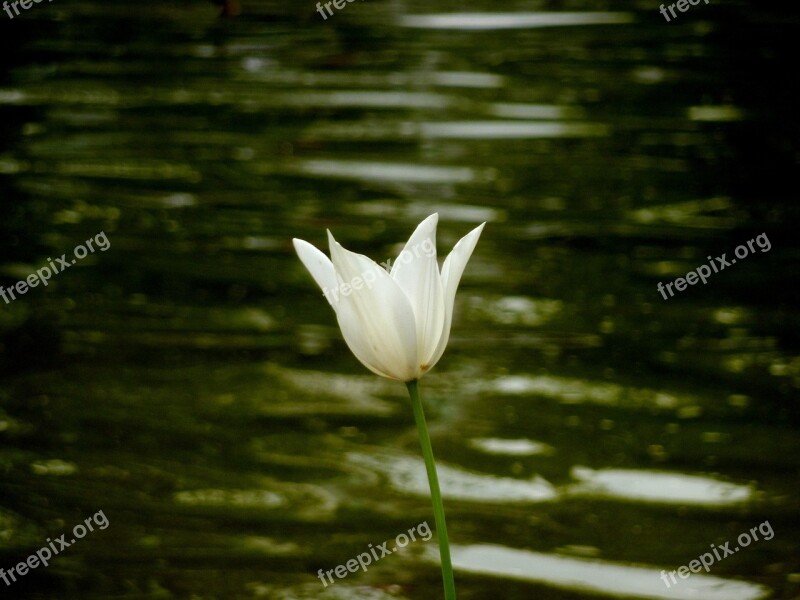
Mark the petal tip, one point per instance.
(434, 218)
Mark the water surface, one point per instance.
(191, 381)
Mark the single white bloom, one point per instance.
(396, 323)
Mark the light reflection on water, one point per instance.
(598, 577)
(517, 20)
(193, 384)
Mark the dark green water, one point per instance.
(191, 384)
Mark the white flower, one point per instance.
(398, 323)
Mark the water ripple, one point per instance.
(407, 474)
(520, 20)
(595, 576)
(658, 487)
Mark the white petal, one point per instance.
(417, 273)
(375, 315)
(319, 265)
(452, 270)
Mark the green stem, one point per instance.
(436, 494)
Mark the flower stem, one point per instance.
(436, 494)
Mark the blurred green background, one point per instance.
(191, 381)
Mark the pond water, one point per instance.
(186, 385)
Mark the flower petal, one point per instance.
(452, 269)
(417, 273)
(319, 265)
(375, 315)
